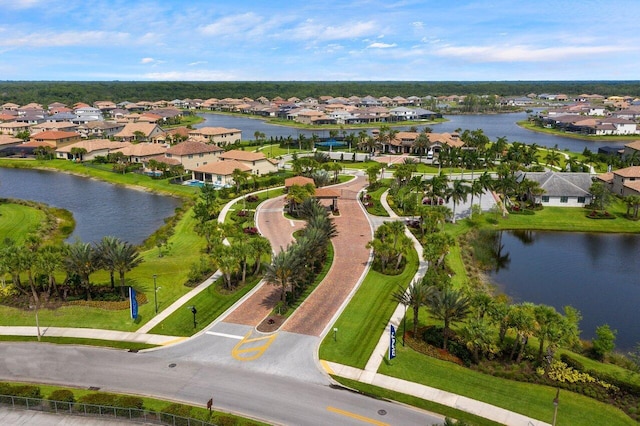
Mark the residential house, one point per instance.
(100, 129)
(13, 128)
(561, 189)
(140, 132)
(193, 154)
(217, 135)
(220, 173)
(55, 138)
(93, 147)
(256, 161)
(142, 152)
(62, 126)
(8, 141)
(623, 182)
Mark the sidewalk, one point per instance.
(370, 376)
(452, 400)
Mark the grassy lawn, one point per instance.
(434, 407)
(376, 209)
(210, 304)
(530, 126)
(565, 219)
(528, 399)
(366, 316)
(79, 341)
(17, 221)
(171, 271)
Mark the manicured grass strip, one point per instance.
(152, 404)
(528, 399)
(434, 407)
(210, 304)
(79, 341)
(17, 221)
(366, 316)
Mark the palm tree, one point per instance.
(125, 257)
(552, 158)
(106, 249)
(415, 296)
(283, 271)
(421, 144)
(82, 260)
(260, 246)
(450, 306)
(297, 194)
(240, 177)
(227, 261)
(334, 167)
(479, 337)
(458, 193)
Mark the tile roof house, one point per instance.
(140, 152)
(146, 132)
(55, 138)
(13, 128)
(623, 181)
(193, 154)
(94, 147)
(218, 135)
(219, 174)
(257, 162)
(561, 189)
(62, 126)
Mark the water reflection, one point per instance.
(98, 208)
(598, 274)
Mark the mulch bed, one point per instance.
(271, 323)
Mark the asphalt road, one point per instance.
(246, 391)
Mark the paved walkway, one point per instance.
(12, 417)
(449, 399)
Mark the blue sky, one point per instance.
(319, 40)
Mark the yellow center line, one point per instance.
(356, 416)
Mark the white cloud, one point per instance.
(147, 60)
(310, 30)
(197, 63)
(230, 25)
(524, 53)
(68, 38)
(381, 45)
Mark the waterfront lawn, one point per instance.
(171, 269)
(525, 398)
(565, 219)
(86, 169)
(365, 317)
(17, 221)
(531, 126)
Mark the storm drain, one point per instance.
(382, 412)
(172, 365)
(94, 388)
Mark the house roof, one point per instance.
(143, 149)
(236, 154)
(605, 177)
(224, 168)
(298, 180)
(54, 135)
(192, 147)
(130, 129)
(9, 140)
(213, 131)
(628, 172)
(95, 145)
(326, 193)
(634, 145)
(561, 184)
(633, 185)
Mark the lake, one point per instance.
(598, 274)
(99, 208)
(493, 125)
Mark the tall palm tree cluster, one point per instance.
(390, 247)
(34, 266)
(296, 266)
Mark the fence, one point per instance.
(90, 410)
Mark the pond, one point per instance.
(99, 208)
(493, 125)
(598, 274)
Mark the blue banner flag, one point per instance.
(392, 342)
(133, 303)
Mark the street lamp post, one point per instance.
(556, 401)
(335, 334)
(155, 292)
(194, 311)
(404, 325)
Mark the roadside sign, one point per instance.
(133, 304)
(392, 342)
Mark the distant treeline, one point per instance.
(46, 92)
